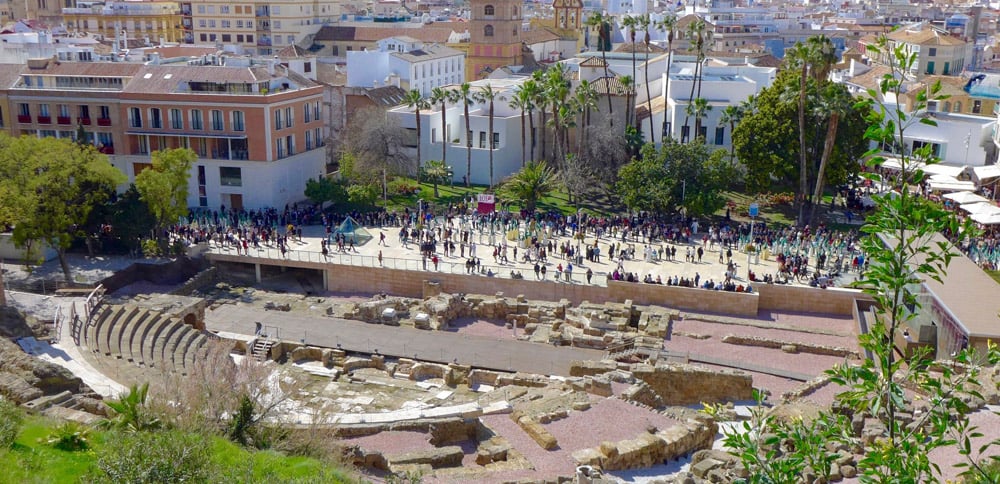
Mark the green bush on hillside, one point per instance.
(10, 424)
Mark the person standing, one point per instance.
(590, 274)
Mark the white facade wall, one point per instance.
(951, 134)
(264, 183)
(367, 68)
(426, 75)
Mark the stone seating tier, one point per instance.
(171, 335)
(150, 344)
(115, 341)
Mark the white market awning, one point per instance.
(940, 183)
(984, 173)
(963, 198)
(987, 219)
(982, 208)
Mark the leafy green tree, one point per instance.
(364, 195)
(54, 184)
(675, 175)
(904, 248)
(164, 186)
(326, 190)
(168, 457)
(528, 186)
(437, 172)
(643, 184)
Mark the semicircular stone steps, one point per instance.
(90, 334)
(132, 332)
(167, 344)
(115, 332)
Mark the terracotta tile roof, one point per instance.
(601, 86)
(924, 37)
(639, 47)
(182, 51)
(291, 52)
(9, 74)
(342, 33)
(538, 35)
(594, 61)
(387, 96)
(93, 69)
(870, 79)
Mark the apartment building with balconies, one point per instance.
(157, 21)
(257, 27)
(258, 129)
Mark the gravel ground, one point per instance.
(843, 324)
(718, 331)
(393, 442)
(608, 419)
(772, 358)
(481, 327)
(547, 463)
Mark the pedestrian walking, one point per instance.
(590, 274)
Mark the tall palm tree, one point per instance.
(466, 96)
(522, 101)
(416, 101)
(489, 95)
(835, 103)
(557, 89)
(628, 89)
(442, 97)
(696, 34)
(631, 23)
(601, 21)
(699, 109)
(585, 99)
(529, 185)
(731, 116)
(669, 25)
(541, 102)
(644, 22)
(436, 171)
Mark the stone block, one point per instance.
(449, 456)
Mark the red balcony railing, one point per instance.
(107, 150)
(45, 120)
(83, 121)
(23, 118)
(63, 119)
(104, 121)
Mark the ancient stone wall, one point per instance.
(834, 300)
(687, 384)
(791, 347)
(650, 448)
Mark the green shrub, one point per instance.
(363, 195)
(70, 436)
(161, 457)
(403, 186)
(10, 423)
(150, 248)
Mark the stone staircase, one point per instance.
(262, 348)
(144, 338)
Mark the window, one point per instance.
(703, 132)
(176, 119)
(720, 135)
(211, 23)
(227, 37)
(196, 120)
(230, 176)
(290, 142)
(238, 124)
(277, 24)
(317, 111)
(276, 10)
(143, 145)
(482, 139)
(932, 52)
(977, 107)
(84, 112)
(496, 140)
(308, 114)
(105, 140)
(135, 117)
(23, 109)
(217, 123)
(291, 39)
(958, 106)
(489, 10)
(211, 9)
(488, 31)
(204, 38)
(201, 9)
(930, 67)
(288, 117)
(309, 140)
(280, 142)
(434, 135)
(224, 9)
(63, 110)
(105, 112)
(43, 110)
(935, 148)
(277, 119)
(154, 118)
(239, 23)
(226, 24)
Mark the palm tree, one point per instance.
(668, 24)
(628, 89)
(466, 96)
(416, 101)
(835, 103)
(131, 413)
(489, 95)
(600, 20)
(436, 171)
(531, 184)
(696, 32)
(699, 109)
(631, 23)
(731, 116)
(585, 99)
(556, 88)
(522, 101)
(442, 97)
(644, 22)
(541, 101)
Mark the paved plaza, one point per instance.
(396, 255)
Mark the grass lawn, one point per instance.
(994, 274)
(31, 461)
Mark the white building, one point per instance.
(722, 86)
(408, 63)
(506, 135)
